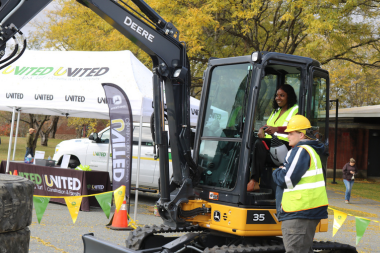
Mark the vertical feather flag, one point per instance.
(339, 218)
(40, 204)
(73, 204)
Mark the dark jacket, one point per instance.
(346, 171)
(295, 167)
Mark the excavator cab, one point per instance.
(236, 102)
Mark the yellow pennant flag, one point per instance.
(119, 194)
(73, 204)
(339, 218)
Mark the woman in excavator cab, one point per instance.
(268, 150)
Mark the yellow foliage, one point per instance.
(326, 30)
(79, 123)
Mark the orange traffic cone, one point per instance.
(15, 173)
(120, 219)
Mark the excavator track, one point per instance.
(277, 247)
(136, 237)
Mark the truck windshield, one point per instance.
(225, 113)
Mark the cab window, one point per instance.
(146, 138)
(275, 76)
(105, 137)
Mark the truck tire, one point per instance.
(74, 162)
(16, 203)
(15, 242)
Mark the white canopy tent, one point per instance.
(68, 83)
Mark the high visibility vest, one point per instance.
(310, 192)
(282, 121)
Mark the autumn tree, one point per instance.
(354, 85)
(326, 30)
(83, 126)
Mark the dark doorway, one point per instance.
(373, 153)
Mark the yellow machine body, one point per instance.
(240, 221)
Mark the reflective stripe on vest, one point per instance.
(310, 192)
(282, 121)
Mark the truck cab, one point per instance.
(93, 152)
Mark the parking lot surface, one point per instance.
(57, 233)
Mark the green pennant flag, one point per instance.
(105, 202)
(40, 204)
(361, 226)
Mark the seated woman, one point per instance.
(284, 107)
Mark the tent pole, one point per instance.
(10, 139)
(18, 121)
(138, 164)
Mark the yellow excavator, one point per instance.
(206, 198)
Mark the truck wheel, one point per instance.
(16, 203)
(17, 241)
(74, 162)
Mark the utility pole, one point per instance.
(336, 138)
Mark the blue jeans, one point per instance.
(29, 151)
(348, 185)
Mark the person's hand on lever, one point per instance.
(261, 134)
(271, 130)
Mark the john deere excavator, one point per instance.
(206, 199)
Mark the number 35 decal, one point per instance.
(258, 217)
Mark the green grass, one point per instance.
(20, 149)
(362, 188)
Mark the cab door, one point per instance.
(318, 107)
(97, 152)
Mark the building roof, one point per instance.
(372, 111)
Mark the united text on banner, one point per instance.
(121, 118)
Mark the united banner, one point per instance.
(121, 136)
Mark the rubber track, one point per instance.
(137, 236)
(277, 247)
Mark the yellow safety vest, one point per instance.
(282, 121)
(310, 192)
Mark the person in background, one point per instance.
(29, 142)
(349, 170)
(284, 108)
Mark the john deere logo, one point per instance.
(73, 203)
(339, 217)
(120, 193)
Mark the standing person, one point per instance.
(349, 171)
(301, 198)
(284, 107)
(29, 142)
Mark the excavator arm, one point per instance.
(171, 72)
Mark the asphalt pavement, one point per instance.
(57, 233)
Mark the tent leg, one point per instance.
(10, 139)
(138, 164)
(18, 121)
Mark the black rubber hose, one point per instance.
(12, 54)
(16, 58)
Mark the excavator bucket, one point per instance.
(94, 245)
